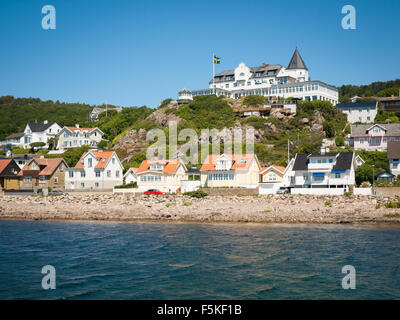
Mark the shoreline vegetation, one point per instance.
(282, 209)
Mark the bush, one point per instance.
(196, 194)
(187, 203)
(102, 144)
(328, 203)
(339, 141)
(127, 186)
(253, 100)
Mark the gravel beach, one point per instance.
(177, 208)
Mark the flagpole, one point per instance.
(213, 63)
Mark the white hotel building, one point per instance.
(271, 81)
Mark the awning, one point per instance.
(318, 174)
(338, 171)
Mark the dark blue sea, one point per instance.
(197, 261)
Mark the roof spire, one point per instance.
(296, 62)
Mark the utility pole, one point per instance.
(373, 175)
(288, 151)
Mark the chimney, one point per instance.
(76, 125)
(45, 122)
(264, 65)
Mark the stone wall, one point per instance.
(386, 191)
(230, 191)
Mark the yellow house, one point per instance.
(9, 175)
(163, 175)
(230, 170)
(272, 174)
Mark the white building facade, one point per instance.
(271, 81)
(326, 173)
(74, 137)
(40, 132)
(364, 112)
(96, 171)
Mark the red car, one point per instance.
(154, 191)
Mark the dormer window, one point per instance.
(156, 167)
(90, 162)
(377, 129)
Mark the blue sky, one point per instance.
(134, 53)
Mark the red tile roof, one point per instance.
(280, 168)
(211, 160)
(47, 166)
(169, 166)
(80, 129)
(102, 157)
(4, 164)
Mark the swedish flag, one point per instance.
(217, 60)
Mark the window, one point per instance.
(318, 178)
(71, 174)
(113, 160)
(108, 173)
(292, 180)
(117, 174)
(337, 175)
(55, 180)
(97, 174)
(96, 184)
(361, 140)
(28, 179)
(305, 176)
(82, 185)
(377, 140)
(227, 85)
(376, 129)
(42, 179)
(272, 177)
(90, 160)
(83, 174)
(61, 168)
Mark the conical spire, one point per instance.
(296, 62)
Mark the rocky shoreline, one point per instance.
(291, 209)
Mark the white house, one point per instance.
(96, 170)
(364, 112)
(130, 176)
(40, 132)
(269, 80)
(73, 137)
(13, 140)
(321, 173)
(393, 155)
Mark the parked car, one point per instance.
(282, 190)
(154, 191)
(58, 193)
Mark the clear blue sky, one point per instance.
(139, 52)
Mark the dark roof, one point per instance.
(393, 150)
(357, 105)
(360, 130)
(343, 160)
(193, 171)
(8, 168)
(39, 126)
(296, 62)
(15, 136)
